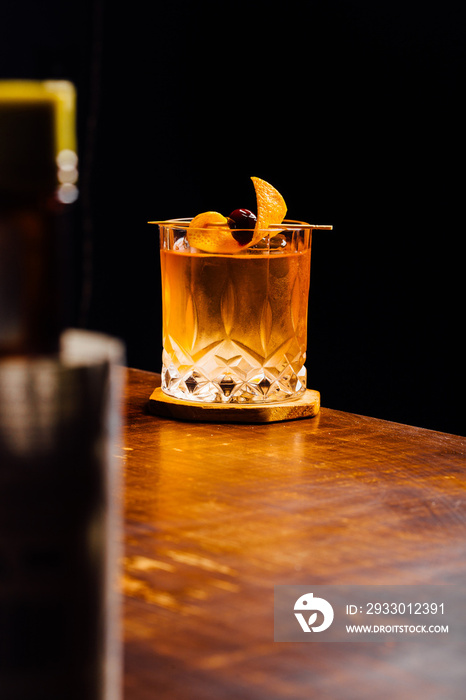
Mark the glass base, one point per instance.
(194, 385)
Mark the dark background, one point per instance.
(353, 110)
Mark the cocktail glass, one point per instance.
(235, 325)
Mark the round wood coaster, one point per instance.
(306, 406)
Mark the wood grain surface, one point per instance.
(217, 514)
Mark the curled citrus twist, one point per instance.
(210, 232)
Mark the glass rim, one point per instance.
(285, 225)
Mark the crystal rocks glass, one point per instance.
(235, 326)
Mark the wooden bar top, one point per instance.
(217, 515)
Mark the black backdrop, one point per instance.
(351, 109)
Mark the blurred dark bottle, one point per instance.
(59, 425)
(38, 175)
(60, 522)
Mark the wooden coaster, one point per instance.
(306, 406)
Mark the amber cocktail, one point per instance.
(235, 292)
(235, 325)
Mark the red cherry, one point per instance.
(242, 219)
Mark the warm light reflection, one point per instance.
(67, 193)
(67, 161)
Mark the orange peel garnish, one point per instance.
(211, 233)
(271, 207)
